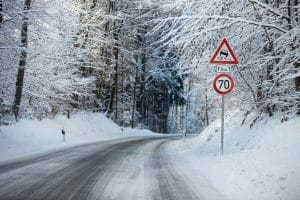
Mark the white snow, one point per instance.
(29, 137)
(262, 162)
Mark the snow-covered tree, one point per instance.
(265, 37)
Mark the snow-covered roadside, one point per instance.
(259, 163)
(28, 137)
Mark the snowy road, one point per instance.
(132, 168)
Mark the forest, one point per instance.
(145, 63)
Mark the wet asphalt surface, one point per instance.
(132, 168)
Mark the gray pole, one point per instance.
(222, 125)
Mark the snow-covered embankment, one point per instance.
(28, 137)
(262, 162)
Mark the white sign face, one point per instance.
(223, 84)
(224, 69)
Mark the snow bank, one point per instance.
(262, 162)
(32, 136)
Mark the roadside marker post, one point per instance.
(223, 83)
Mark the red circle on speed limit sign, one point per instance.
(223, 84)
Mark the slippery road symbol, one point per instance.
(224, 55)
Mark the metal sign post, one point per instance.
(222, 125)
(223, 83)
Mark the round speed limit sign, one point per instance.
(223, 84)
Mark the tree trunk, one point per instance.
(107, 67)
(297, 79)
(1, 10)
(297, 64)
(142, 89)
(297, 83)
(293, 16)
(289, 14)
(206, 107)
(122, 89)
(134, 98)
(114, 89)
(297, 10)
(22, 62)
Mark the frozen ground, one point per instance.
(259, 163)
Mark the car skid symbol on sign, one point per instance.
(223, 55)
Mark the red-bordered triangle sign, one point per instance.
(224, 55)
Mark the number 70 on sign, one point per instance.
(223, 84)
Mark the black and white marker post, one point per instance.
(63, 132)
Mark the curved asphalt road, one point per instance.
(129, 169)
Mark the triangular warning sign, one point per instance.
(224, 55)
